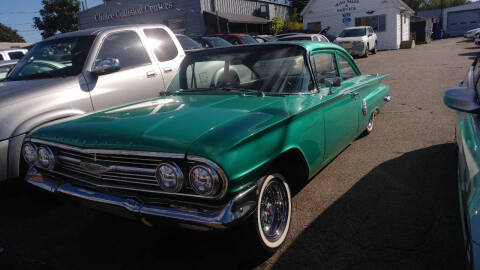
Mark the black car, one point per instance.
(212, 42)
(188, 44)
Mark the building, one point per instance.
(456, 20)
(192, 17)
(389, 18)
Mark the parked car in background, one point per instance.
(79, 72)
(220, 148)
(237, 39)
(358, 41)
(12, 54)
(465, 101)
(299, 37)
(288, 34)
(188, 44)
(471, 33)
(265, 38)
(212, 42)
(5, 67)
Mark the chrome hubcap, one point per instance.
(274, 211)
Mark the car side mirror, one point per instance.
(106, 66)
(462, 99)
(369, 35)
(333, 82)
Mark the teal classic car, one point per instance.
(239, 129)
(465, 100)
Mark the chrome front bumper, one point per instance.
(240, 207)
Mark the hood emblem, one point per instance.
(94, 168)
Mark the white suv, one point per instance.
(358, 41)
(12, 54)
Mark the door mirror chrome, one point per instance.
(106, 66)
(462, 99)
(333, 82)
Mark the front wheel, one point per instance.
(367, 50)
(374, 51)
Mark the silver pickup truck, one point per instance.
(79, 72)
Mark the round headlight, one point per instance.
(169, 177)
(204, 180)
(46, 158)
(30, 153)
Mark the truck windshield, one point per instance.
(268, 69)
(53, 58)
(353, 32)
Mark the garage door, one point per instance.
(461, 21)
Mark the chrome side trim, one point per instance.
(241, 206)
(108, 152)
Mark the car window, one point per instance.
(126, 47)
(188, 43)
(161, 43)
(322, 38)
(4, 71)
(346, 69)
(324, 67)
(232, 40)
(15, 55)
(1, 57)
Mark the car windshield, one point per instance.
(248, 40)
(188, 43)
(353, 32)
(53, 58)
(217, 42)
(267, 69)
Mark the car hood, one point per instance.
(350, 39)
(17, 96)
(169, 124)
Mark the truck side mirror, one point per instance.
(106, 66)
(462, 99)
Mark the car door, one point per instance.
(138, 78)
(166, 54)
(339, 105)
(371, 38)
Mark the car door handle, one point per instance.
(151, 74)
(354, 94)
(167, 69)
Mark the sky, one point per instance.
(19, 14)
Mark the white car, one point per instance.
(12, 54)
(471, 33)
(358, 41)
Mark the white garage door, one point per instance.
(461, 21)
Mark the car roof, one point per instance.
(308, 45)
(99, 30)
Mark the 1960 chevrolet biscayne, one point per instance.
(238, 129)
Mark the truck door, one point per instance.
(138, 78)
(166, 53)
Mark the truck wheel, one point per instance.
(266, 229)
(367, 50)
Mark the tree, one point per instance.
(294, 22)
(276, 25)
(57, 16)
(7, 34)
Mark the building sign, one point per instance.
(347, 19)
(344, 6)
(134, 11)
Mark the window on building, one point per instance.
(315, 26)
(346, 68)
(324, 67)
(126, 47)
(15, 55)
(161, 43)
(378, 22)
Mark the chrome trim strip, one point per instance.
(108, 152)
(241, 206)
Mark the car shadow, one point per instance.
(404, 214)
(473, 48)
(471, 54)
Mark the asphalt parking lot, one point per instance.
(389, 201)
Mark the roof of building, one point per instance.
(238, 18)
